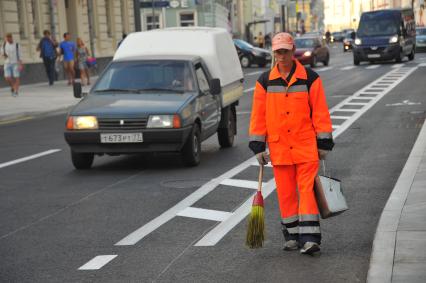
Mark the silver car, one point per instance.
(420, 38)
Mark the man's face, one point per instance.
(67, 37)
(284, 56)
(9, 38)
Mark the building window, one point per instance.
(22, 11)
(152, 25)
(187, 19)
(109, 17)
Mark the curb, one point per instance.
(14, 118)
(383, 252)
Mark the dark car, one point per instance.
(337, 35)
(310, 50)
(348, 41)
(420, 39)
(249, 54)
(385, 35)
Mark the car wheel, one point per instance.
(226, 134)
(245, 61)
(191, 150)
(399, 57)
(356, 60)
(82, 161)
(327, 60)
(412, 54)
(314, 61)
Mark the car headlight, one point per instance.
(393, 39)
(307, 53)
(358, 41)
(82, 123)
(163, 121)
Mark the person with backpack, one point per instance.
(11, 52)
(47, 48)
(291, 115)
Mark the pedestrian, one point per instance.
(290, 113)
(68, 50)
(260, 40)
(82, 56)
(47, 48)
(11, 52)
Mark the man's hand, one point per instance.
(322, 153)
(262, 158)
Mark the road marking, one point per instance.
(404, 103)
(347, 68)
(339, 117)
(249, 89)
(206, 214)
(97, 262)
(422, 64)
(397, 66)
(11, 121)
(240, 183)
(356, 103)
(373, 67)
(254, 73)
(23, 159)
(324, 69)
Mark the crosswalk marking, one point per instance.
(240, 183)
(339, 117)
(347, 68)
(324, 69)
(97, 262)
(206, 214)
(397, 66)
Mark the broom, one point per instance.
(256, 222)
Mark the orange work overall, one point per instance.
(290, 115)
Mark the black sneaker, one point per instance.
(310, 248)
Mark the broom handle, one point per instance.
(259, 187)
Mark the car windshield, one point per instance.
(421, 31)
(305, 42)
(243, 44)
(378, 25)
(141, 76)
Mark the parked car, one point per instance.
(385, 35)
(420, 38)
(249, 54)
(311, 50)
(159, 97)
(348, 41)
(338, 35)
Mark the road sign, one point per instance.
(157, 4)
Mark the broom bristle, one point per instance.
(256, 228)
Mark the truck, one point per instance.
(164, 91)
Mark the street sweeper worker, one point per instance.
(291, 115)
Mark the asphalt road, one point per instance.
(54, 219)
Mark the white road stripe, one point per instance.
(356, 103)
(249, 89)
(97, 262)
(361, 97)
(240, 183)
(335, 126)
(397, 66)
(206, 214)
(339, 117)
(373, 67)
(23, 159)
(422, 64)
(343, 110)
(347, 68)
(324, 69)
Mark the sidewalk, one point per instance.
(36, 99)
(399, 248)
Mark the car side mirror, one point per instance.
(77, 90)
(215, 87)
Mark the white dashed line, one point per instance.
(397, 66)
(324, 69)
(347, 68)
(373, 67)
(97, 262)
(254, 73)
(23, 159)
(240, 183)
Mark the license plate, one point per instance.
(373, 55)
(121, 138)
